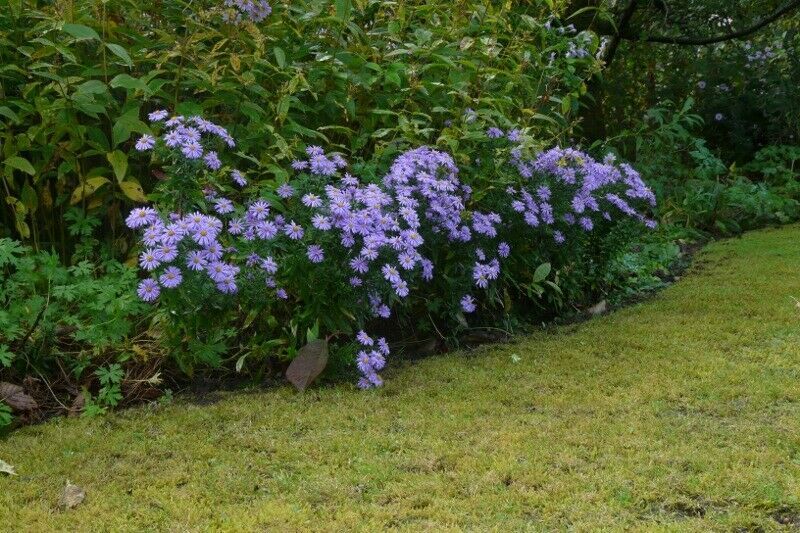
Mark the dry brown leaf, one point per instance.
(6, 468)
(71, 497)
(15, 396)
(309, 363)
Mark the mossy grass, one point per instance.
(679, 413)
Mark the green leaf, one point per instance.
(541, 273)
(121, 53)
(20, 163)
(128, 82)
(280, 56)
(119, 162)
(8, 113)
(81, 32)
(343, 8)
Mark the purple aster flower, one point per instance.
(172, 139)
(167, 252)
(377, 360)
(503, 249)
(192, 150)
(238, 178)
(281, 293)
(321, 222)
(400, 288)
(223, 206)
(364, 339)
(258, 210)
(312, 200)
(299, 165)
(285, 191)
(294, 230)
(315, 253)
(149, 259)
(148, 290)
(364, 362)
(355, 281)
(212, 160)
(204, 235)
(390, 273)
(145, 142)
(141, 216)
(514, 135)
(494, 133)
(171, 277)
(196, 261)
(558, 237)
(468, 304)
(158, 116)
(383, 346)
(269, 265)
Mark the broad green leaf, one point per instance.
(541, 273)
(119, 162)
(280, 56)
(128, 82)
(8, 113)
(20, 163)
(81, 32)
(121, 53)
(343, 8)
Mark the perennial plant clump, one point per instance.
(330, 241)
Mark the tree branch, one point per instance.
(699, 41)
(624, 20)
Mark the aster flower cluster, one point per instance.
(237, 10)
(194, 237)
(376, 241)
(193, 137)
(588, 190)
(370, 360)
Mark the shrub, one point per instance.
(327, 252)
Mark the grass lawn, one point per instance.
(680, 413)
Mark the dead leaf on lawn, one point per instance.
(71, 497)
(309, 363)
(6, 468)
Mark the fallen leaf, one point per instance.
(77, 405)
(309, 363)
(598, 308)
(71, 497)
(6, 468)
(15, 396)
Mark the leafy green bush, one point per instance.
(366, 77)
(60, 322)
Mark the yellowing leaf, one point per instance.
(119, 162)
(133, 190)
(88, 188)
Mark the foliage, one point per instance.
(363, 76)
(330, 250)
(57, 320)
